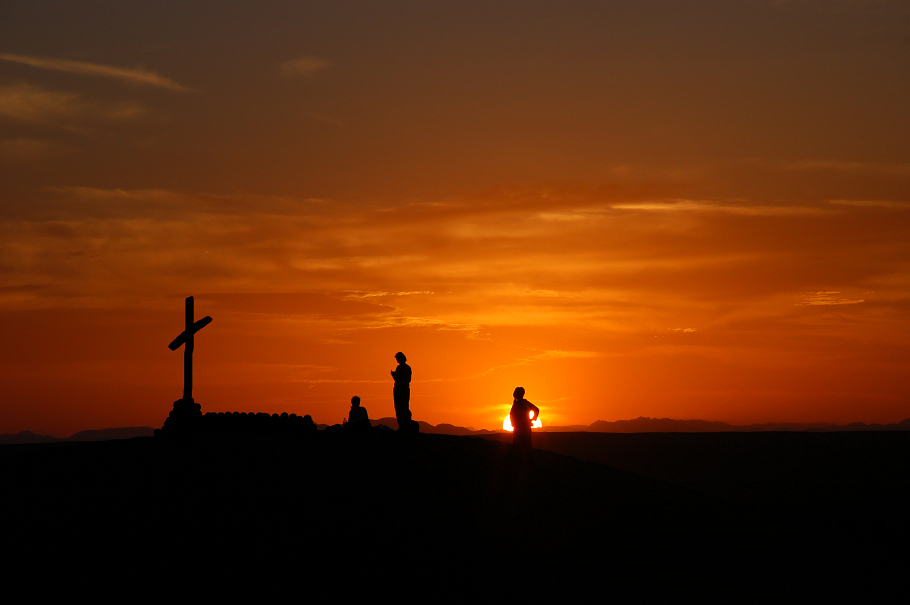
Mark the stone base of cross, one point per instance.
(185, 420)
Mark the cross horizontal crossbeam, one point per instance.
(183, 335)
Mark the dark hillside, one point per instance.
(312, 505)
(848, 487)
(427, 495)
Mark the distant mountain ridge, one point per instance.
(127, 432)
(425, 427)
(642, 424)
(439, 429)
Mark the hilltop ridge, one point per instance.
(642, 424)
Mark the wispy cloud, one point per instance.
(825, 298)
(888, 204)
(704, 206)
(26, 102)
(564, 216)
(134, 75)
(359, 294)
(545, 293)
(559, 354)
(303, 67)
(34, 104)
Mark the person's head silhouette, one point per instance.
(355, 401)
(519, 393)
(400, 357)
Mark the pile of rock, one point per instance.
(242, 423)
(187, 421)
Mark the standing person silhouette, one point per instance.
(520, 417)
(402, 394)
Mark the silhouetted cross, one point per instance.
(186, 339)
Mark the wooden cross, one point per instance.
(186, 339)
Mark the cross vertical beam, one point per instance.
(188, 351)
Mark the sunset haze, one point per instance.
(664, 209)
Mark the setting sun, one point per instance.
(507, 424)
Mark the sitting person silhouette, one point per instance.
(358, 419)
(520, 417)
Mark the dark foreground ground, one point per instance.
(852, 484)
(707, 510)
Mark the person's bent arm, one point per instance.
(536, 411)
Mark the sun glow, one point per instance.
(507, 424)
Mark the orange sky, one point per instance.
(686, 210)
